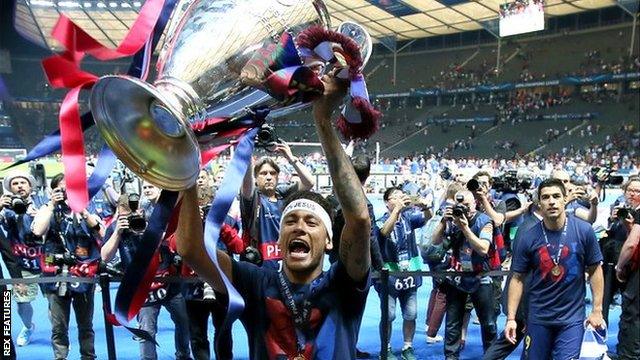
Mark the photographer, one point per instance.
(16, 214)
(72, 243)
(580, 202)
(621, 222)
(479, 185)
(400, 253)
(261, 200)
(628, 271)
(125, 235)
(469, 234)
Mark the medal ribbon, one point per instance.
(301, 316)
(556, 260)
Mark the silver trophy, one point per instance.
(200, 76)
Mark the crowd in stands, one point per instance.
(518, 6)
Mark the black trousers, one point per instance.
(501, 347)
(198, 312)
(483, 303)
(629, 333)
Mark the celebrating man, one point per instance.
(300, 312)
(557, 251)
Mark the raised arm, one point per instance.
(307, 181)
(248, 183)
(190, 243)
(354, 242)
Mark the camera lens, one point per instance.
(137, 223)
(18, 206)
(623, 213)
(473, 185)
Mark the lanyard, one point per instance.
(301, 316)
(556, 260)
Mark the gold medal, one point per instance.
(556, 270)
(299, 357)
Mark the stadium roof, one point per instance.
(109, 20)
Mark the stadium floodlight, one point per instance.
(101, 5)
(113, 4)
(69, 4)
(87, 4)
(42, 3)
(137, 4)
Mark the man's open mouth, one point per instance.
(299, 247)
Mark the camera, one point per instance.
(624, 212)
(605, 175)
(64, 193)
(459, 209)
(252, 255)
(267, 137)
(446, 174)
(137, 222)
(473, 185)
(61, 259)
(509, 183)
(18, 205)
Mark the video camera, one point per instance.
(267, 137)
(510, 183)
(605, 175)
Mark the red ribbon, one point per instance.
(63, 71)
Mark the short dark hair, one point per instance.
(362, 166)
(262, 161)
(313, 196)
(389, 191)
(483, 173)
(551, 182)
(55, 181)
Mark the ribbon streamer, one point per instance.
(219, 209)
(63, 71)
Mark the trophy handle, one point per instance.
(360, 36)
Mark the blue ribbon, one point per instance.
(106, 162)
(135, 272)
(219, 209)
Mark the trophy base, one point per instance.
(145, 132)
